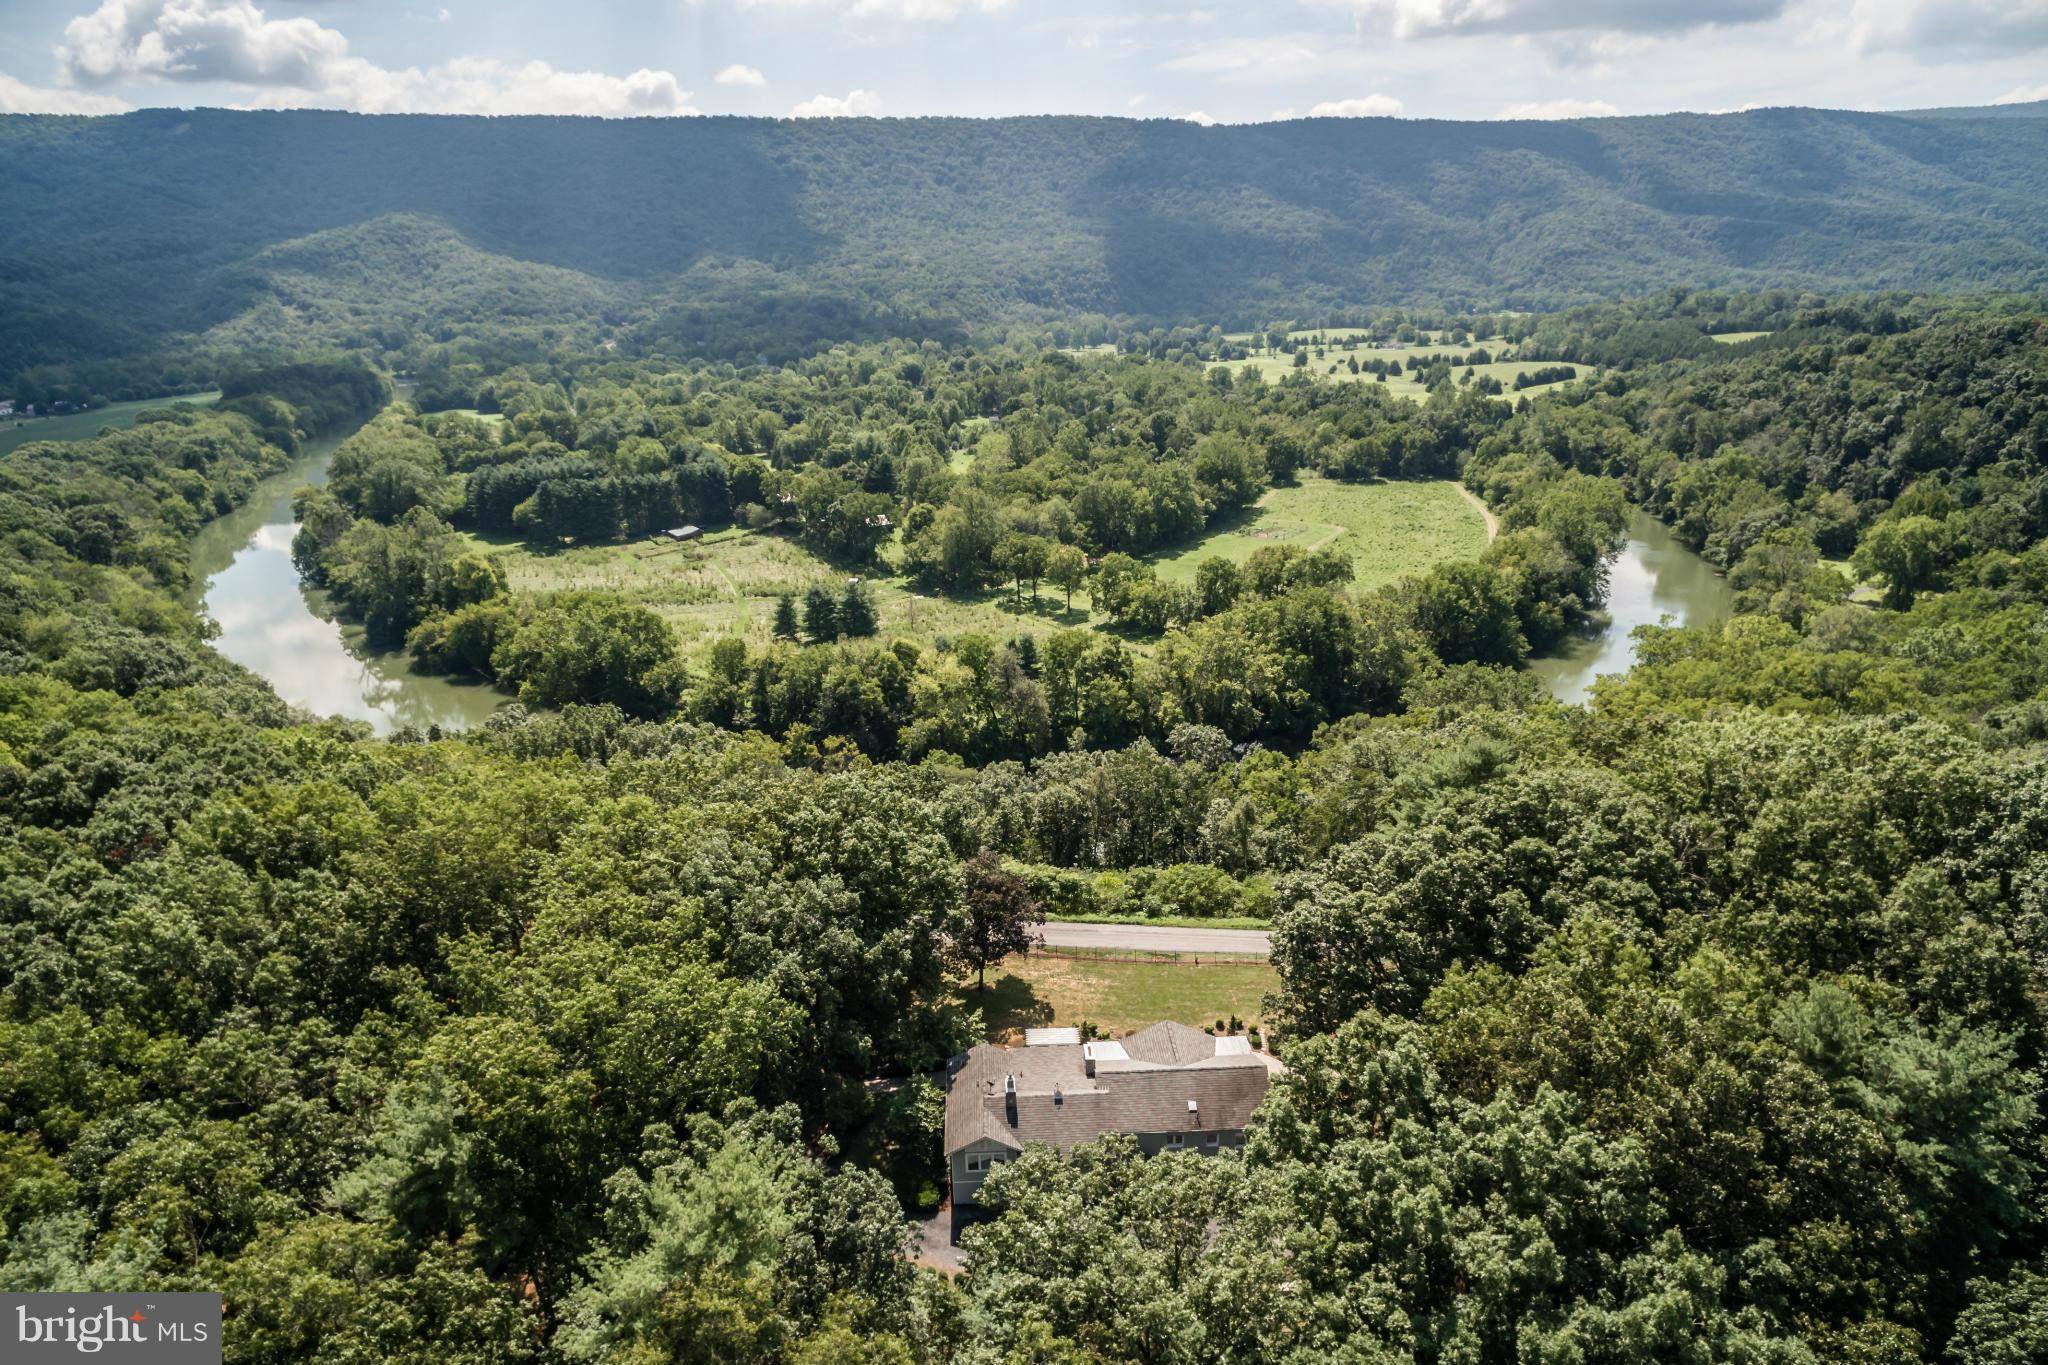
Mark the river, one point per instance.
(277, 627)
(1653, 577)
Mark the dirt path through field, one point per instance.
(1492, 521)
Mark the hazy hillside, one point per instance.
(117, 232)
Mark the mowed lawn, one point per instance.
(1119, 993)
(1389, 529)
(16, 432)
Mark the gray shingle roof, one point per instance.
(1170, 1044)
(1056, 1101)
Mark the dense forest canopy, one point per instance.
(1703, 1023)
(226, 230)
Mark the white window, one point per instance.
(1211, 1139)
(1174, 1142)
(977, 1163)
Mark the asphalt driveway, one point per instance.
(1155, 938)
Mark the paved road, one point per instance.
(1153, 938)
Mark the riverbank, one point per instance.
(271, 623)
(1653, 580)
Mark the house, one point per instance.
(683, 532)
(1173, 1088)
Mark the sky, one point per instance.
(1192, 59)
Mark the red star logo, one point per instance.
(136, 1316)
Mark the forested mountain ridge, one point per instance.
(118, 233)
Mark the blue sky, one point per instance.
(1145, 58)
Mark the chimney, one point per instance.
(1057, 1098)
(1010, 1100)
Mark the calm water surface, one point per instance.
(274, 625)
(1655, 577)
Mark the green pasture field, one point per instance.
(1332, 334)
(1389, 529)
(728, 582)
(16, 432)
(1274, 366)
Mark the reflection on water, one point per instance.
(1654, 577)
(274, 626)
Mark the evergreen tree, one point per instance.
(821, 614)
(1025, 647)
(857, 610)
(785, 617)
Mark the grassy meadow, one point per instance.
(1346, 344)
(1388, 529)
(1333, 335)
(16, 432)
(728, 582)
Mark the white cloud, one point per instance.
(1941, 28)
(738, 74)
(287, 63)
(1365, 106)
(483, 85)
(1134, 101)
(856, 104)
(1433, 18)
(1197, 116)
(1597, 51)
(910, 10)
(1269, 61)
(196, 40)
(2025, 94)
(17, 97)
(1552, 109)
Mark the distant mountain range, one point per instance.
(122, 234)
